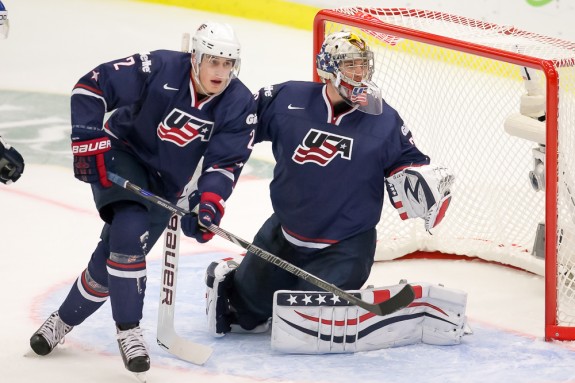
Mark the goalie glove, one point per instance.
(421, 192)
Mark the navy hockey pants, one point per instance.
(346, 264)
(117, 267)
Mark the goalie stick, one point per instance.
(400, 300)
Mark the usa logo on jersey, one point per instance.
(181, 128)
(322, 147)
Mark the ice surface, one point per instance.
(49, 228)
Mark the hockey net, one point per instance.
(455, 81)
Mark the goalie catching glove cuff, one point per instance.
(421, 191)
(90, 148)
(211, 211)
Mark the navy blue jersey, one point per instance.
(157, 115)
(328, 182)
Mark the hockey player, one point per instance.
(11, 161)
(336, 146)
(170, 109)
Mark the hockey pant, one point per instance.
(117, 267)
(346, 264)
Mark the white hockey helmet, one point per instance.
(215, 40)
(4, 25)
(342, 54)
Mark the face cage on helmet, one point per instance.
(196, 70)
(367, 60)
(364, 94)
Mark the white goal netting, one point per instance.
(455, 81)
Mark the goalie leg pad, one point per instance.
(220, 313)
(318, 322)
(445, 322)
(219, 278)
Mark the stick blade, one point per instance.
(184, 349)
(400, 300)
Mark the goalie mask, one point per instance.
(215, 42)
(347, 62)
(4, 26)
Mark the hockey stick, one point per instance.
(166, 336)
(400, 300)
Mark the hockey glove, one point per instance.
(11, 163)
(90, 148)
(421, 191)
(211, 211)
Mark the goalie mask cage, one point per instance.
(455, 81)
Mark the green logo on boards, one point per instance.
(538, 3)
(38, 125)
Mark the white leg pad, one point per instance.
(217, 302)
(318, 323)
(220, 313)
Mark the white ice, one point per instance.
(49, 228)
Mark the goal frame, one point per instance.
(553, 331)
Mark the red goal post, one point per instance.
(457, 82)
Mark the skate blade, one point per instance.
(141, 376)
(30, 353)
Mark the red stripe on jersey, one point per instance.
(93, 90)
(305, 239)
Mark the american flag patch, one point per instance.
(359, 95)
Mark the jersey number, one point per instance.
(129, 62)
(252, 137)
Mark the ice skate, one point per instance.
(49, 334)
(134, 352)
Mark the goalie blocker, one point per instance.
(307, 322)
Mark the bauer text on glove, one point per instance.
(90, 148)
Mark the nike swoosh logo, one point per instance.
(290, 106)
(166, 87)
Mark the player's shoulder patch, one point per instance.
(292, 90)
(267, 91)
(165, 60)
(146, 62)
